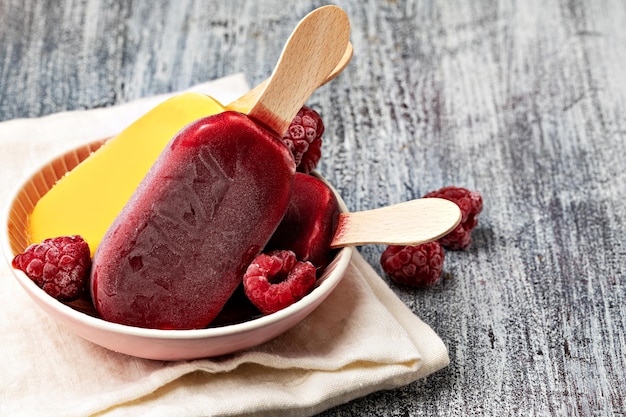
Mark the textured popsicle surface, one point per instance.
(310, 222)
(179, 248)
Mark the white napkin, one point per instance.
(360, 340)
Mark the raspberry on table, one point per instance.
(59, 266)
(416, 266)
(304, 139)
(471, 204)
(276, 280)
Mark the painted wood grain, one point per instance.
(524, 101)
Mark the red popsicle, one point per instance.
(210, 203)
(204, 211)
(310, 222)
(313, 226)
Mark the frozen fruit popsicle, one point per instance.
(314, 226)
(209, 204)
(310, 222)
(179, 248)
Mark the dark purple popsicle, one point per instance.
(179, 248)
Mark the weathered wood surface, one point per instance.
(524, 101)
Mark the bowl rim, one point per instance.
(328, 279)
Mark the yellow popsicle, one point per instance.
(87, 199)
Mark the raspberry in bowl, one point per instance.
(80, 317)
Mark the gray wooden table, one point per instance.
(524, 101)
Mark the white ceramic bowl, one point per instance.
(80, 317)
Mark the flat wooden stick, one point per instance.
(410, 223)
(245, 102)
(314, 48)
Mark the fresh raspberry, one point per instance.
(304, 139)
(59, 266)
(471, 204)
(277, 279)
(417, 266)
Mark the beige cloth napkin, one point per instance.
(360, 340)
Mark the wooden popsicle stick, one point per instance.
(245, 102)
(409, 223)
(314, 48)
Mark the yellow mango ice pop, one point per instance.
(87, 199)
